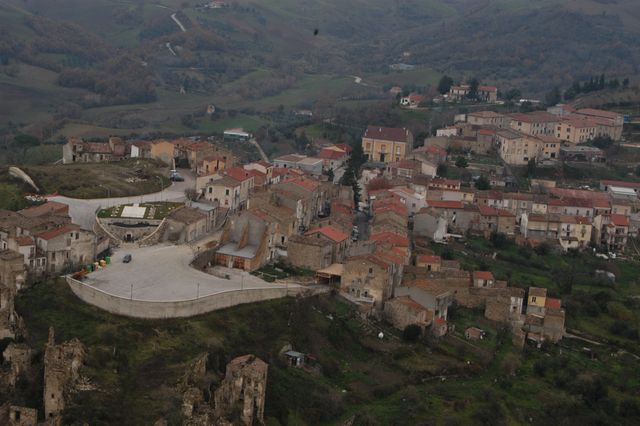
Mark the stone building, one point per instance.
(241, 395)
(62, 365)
(403, 311)
(17, 360)
(12, 415)
(187, 224)
(309, 252)
(12, 275)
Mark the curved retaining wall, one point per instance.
(177, 309)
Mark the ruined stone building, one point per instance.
(12, 415)
(16, 362)
(62, 365)
(240, 397)
(239, 400)
(12, 273)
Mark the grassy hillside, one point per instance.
(136, 366)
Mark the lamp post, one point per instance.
(198, 292)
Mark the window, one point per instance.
(533, 299)
(371, 270)
(226, 192)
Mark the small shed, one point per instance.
(474, 333)
(296, 359)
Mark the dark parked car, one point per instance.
(126, 258)
(176, 178)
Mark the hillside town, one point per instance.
(376, 250)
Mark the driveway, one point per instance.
(83, 211)
(162, 273)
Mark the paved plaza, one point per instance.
(162, 273)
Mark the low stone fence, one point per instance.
(181, 308)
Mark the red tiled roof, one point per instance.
(578, 122)
(238, 173)
(429, 258)
(387, 133)
(619, 220)
(487, 132)
(483, 275)
(308, 184)
(621, 183)
(552, 303)
(50, 207)
(485, 114)
(598, 113)
(491, 211)
(330, 232)
(345, 147)
(445, 204)
(199, 146)
(391, 238)
(535, 117)
(24, 241)
(52, 233)
(410, 303)
(331, 154)
(487, 89)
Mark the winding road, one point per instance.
(177, 21)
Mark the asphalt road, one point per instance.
(83, 211)
(162, 273)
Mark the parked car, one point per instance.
(176, 178)
(126, 258)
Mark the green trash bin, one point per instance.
(108, 260)
(89, 268)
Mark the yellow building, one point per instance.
(516, 148)
(575, 232)
(162, 150)
(536, 301)
(550, 147)
(537, 123)
(576, 130)
(386, 144)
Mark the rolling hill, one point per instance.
(137, 66)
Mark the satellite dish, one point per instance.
(381, 335)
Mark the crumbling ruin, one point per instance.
(62, 365)
(17, 359)
(12, 273)
(239, 400)
(12, 415)
(240, 397)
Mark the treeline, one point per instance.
(121, 80)
(595, 83)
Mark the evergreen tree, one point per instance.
(445, 84)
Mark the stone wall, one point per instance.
(178, 309)
(113, 226)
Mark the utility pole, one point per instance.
(198, 292)
(131, 291)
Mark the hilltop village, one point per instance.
(374, 223)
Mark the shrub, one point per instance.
(411, 333)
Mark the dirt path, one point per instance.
(177, 21)
(260, 150)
